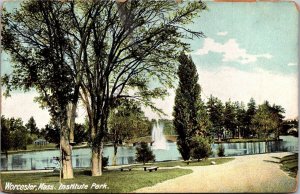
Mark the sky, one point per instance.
(250, 50)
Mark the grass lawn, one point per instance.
(290, 164)
(116, 181)
(245, 140)
(37, 147)
(193, 163)
(148, 139)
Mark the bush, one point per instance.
(143, 153)
(104, 162)
(221, 150)
(200, 148)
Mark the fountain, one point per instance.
(158, 138)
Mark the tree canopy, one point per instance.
(188, 106)
(100, 51)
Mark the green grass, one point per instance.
(148, 139)
(290, 164)
(37, 147)
(193, 163)
(246, 140)
(117, 181)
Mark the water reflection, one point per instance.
(126, 155)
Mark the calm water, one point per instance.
(126, 155)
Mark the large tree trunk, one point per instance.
(67, 168)
(95, 162)
(71, 113)
(114, 160)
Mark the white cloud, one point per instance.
(237, 85)
(231, 51)
(292, 64)
(261, 85)
(226, 83)
(222, 33)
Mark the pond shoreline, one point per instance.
(130, 145)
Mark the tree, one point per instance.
(136, 43)
(263, 120)
(200, 148)
(168, 126)
(31, 126)
(277, 112)
(80, 133)
(6, 143)
(221, 150)
(241, 118)
(51, 133)
(143, 153)
(98, 51)
(46, 56)
(251, 110)
(14, 134)
(230, 118)
(187, 105)
(127, 121)
(215, 111)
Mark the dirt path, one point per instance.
(255, 173)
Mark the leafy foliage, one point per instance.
(99, 50)
(221, 150)
(200, 148)
(249, 116)
(143, 153)
(128, 121)
(13, 134)
(31, 126)
(267, 119)
(187, 106)
(6, 143)
(51, 133)
(215, 111)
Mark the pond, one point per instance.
(126, 154)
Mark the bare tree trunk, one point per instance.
(114, 160)
(66, 155)
(100, 158)
(71, 113)
(95, 162)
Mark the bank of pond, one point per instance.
(126, 154)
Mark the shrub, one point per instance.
(104, 161)
(143, 153)
(221, 150)
(200, 148)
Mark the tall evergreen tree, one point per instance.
(6, 143)
(240, 118)
(249, 116)
(31, 126)
(230, 118)
(187, 105)
(215, 111)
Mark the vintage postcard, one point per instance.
(129, 96)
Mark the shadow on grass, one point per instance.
(271, 161)
(276, 157)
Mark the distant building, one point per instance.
(293, 130)
(40, 142)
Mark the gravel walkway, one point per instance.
(253, 173)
